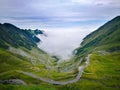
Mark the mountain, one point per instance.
(19, 52)
(94, 66)
(16, 37)
(103, 46)
(107, 38)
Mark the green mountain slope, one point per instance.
(19, 53)
(22, 42)
(103, 73)
(16, 37)
(107, 37)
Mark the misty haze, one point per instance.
(61, 42)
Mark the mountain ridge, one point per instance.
(15, 36)
(108, 34)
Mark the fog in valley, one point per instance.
(61, 42)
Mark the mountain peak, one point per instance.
(117, 17)
(8, 24)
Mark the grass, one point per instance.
(103, 73)
(32, 87)
(11, 63)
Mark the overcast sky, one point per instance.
(58, 13)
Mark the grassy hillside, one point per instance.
(19, 52)
(11, 65)
(107, 37)
(104, 39)
(103, 73)
(16, 37)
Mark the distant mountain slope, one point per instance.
(107, 37)
(14, 36)
(104, 47)
(19, 52)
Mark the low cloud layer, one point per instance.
(62, 42)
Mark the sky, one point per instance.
(58, 13)
(66, 22)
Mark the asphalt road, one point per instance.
(81, 69)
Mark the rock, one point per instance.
(13, 81)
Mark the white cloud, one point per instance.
(97, 2)
(62, 41)
(83, 1)
(57, 12)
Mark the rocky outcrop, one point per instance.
(13, 81)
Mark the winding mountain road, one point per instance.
(81, 69)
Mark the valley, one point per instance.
(93, 66)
